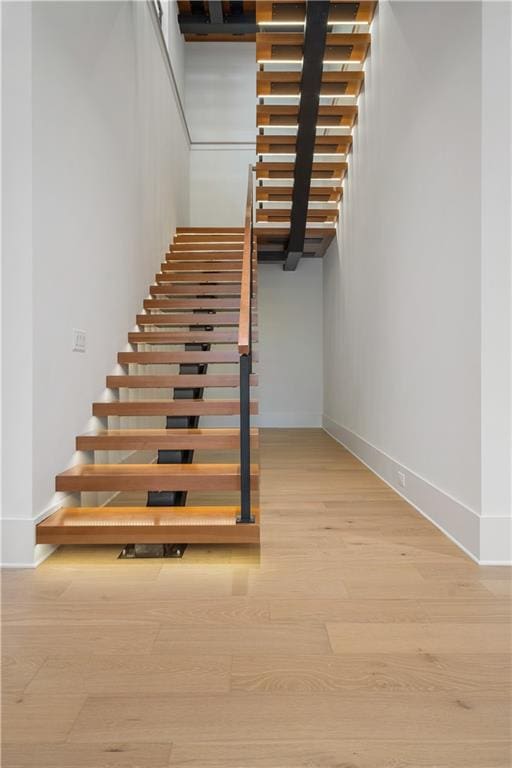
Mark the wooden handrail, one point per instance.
(244, 328)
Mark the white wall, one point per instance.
(496, 286)
(16, 275)
(402, 347)
(221, 113)
(109, 178)
(220, 104)
(291, 353)
(218, 185)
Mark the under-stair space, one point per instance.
(181, 482)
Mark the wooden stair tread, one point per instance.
(202, 266)
(200, 302)
(286, 12)
(192, 230)
(283, 214)
(153, 477)
(186, 407)
(164, 439)
(190, 319)
(155, 470)
(233, 248)
(180, 257)
(139, 525)
(185, 337)
(195, 290)
(177, 381)
(281, 194)
(284, 144)
(339, 47)
(209, 237)
(72, 516)
(276, 115)
(198, 278)
(263, 233)
(182, 356)
(325, 170)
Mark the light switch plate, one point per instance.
(79, 339)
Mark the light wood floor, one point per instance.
(359, 637)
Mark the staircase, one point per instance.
(310, 57)
(200, 310)
(200, 313)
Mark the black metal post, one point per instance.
(245, 378)
(317, 14)
(245, 440)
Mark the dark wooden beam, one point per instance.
(203, 24)
(317, 14)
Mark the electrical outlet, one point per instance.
(79, 338)
(401, 478)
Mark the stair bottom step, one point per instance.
(146, 525)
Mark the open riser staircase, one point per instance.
(196, 333)
(201, 314)
(310, 58)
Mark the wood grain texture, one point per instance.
(153, 439)
(430, 717)
(195, 290)
(183, 337)
(179, 381)
(198, 278)
(148, 525)
(356, 635)
(107, 755)
(170, 358)
(337, 753)
(150, 477)
(170, 408)
(201, 266)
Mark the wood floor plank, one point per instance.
(229, 611)
(223, 659)
(47, 640)
(107, 755)
(133, 675)
(283, 638)
(200, 583)
(465, 569)
(377, 672)
(418, 638)
(314, 609)
(498, 587)
(468, 611)
(35, 718)
(240, 717)
(18, 670)
(340, 754)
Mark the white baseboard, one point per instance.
(41, 552)
(487, 540)
(495, 540)
(18, 547)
